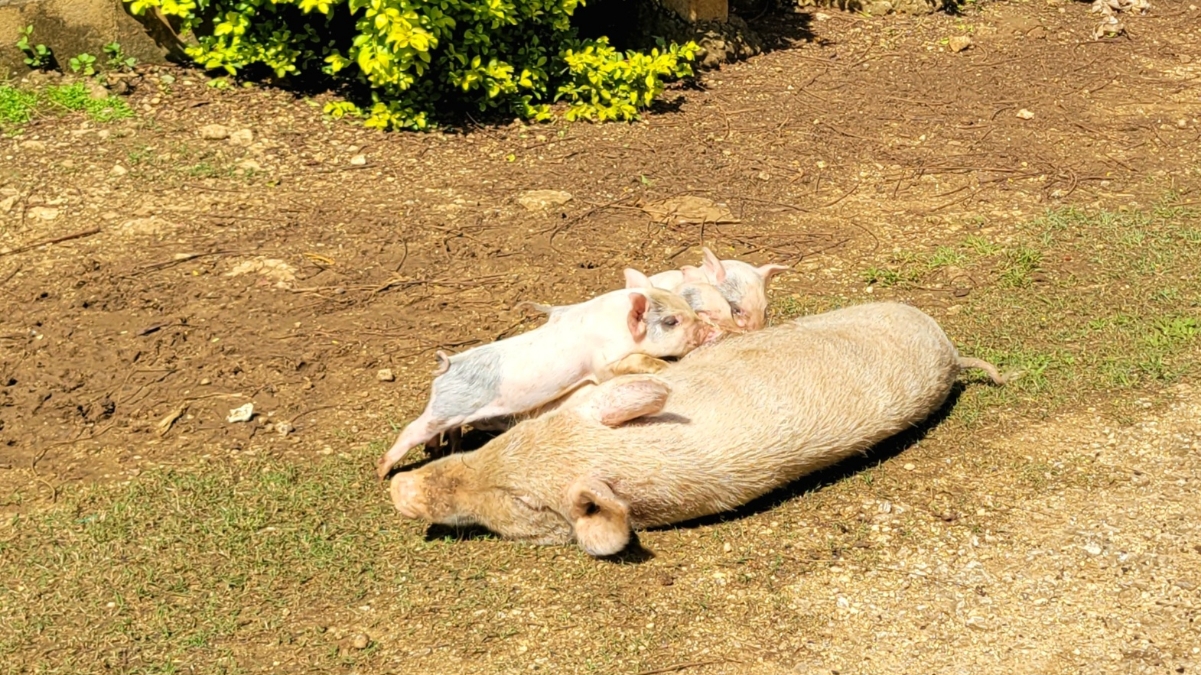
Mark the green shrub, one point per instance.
(37, 56)
(403, 61)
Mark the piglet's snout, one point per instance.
(407, 495)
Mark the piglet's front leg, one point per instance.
(634, 364)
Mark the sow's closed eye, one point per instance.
(526, 501)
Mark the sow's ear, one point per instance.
(601, 519)
(628, 397)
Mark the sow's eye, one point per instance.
(737, 311)
(671, 322)
(525, 501)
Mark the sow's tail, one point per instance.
(987, 367)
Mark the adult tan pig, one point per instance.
(743, 417)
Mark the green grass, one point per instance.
(75, 97)
(18, 106)
(1113, 312)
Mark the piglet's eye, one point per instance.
(738, 311)
(671, 322)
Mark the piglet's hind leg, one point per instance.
(419, 431)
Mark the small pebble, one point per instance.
(910, 467)
(1025, 114)
(214, 132)
(727, 548)
(241, 137)
(360, 641)
(205, 382)
(284, 428)
(118, 171)
(385, 375)
(241, 414)
(358, 160)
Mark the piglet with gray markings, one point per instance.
(578, 346)
(720, 428)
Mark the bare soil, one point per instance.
(207, 274)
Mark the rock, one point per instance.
(118, 171)
(689, 209)
(910, 467)
(959, 43)
(214, 132)
(42, 212)
(1110, 27)
(272, 269)
(241, 138)
(152, 225)
(385, 375)
(284, 428)
(7, 204)
(358, 160)
(976, 623)
(879, 8)
(250, 165)
(34, 146)
(205, 382)
(121, 83)
(241, 414)
(360, 641)
(1025, 114)
(96, 90)
(540, 200)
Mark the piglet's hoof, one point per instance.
(383, 467)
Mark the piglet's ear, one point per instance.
(634, 320)
(636, 279)
(601, 519)
(713, 266)
(628, 397)
(694, 275)
(769, 271)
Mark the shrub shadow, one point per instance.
(782, 28)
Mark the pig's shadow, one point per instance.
(886, 449)
(633, 554)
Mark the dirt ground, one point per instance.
(287, 266)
